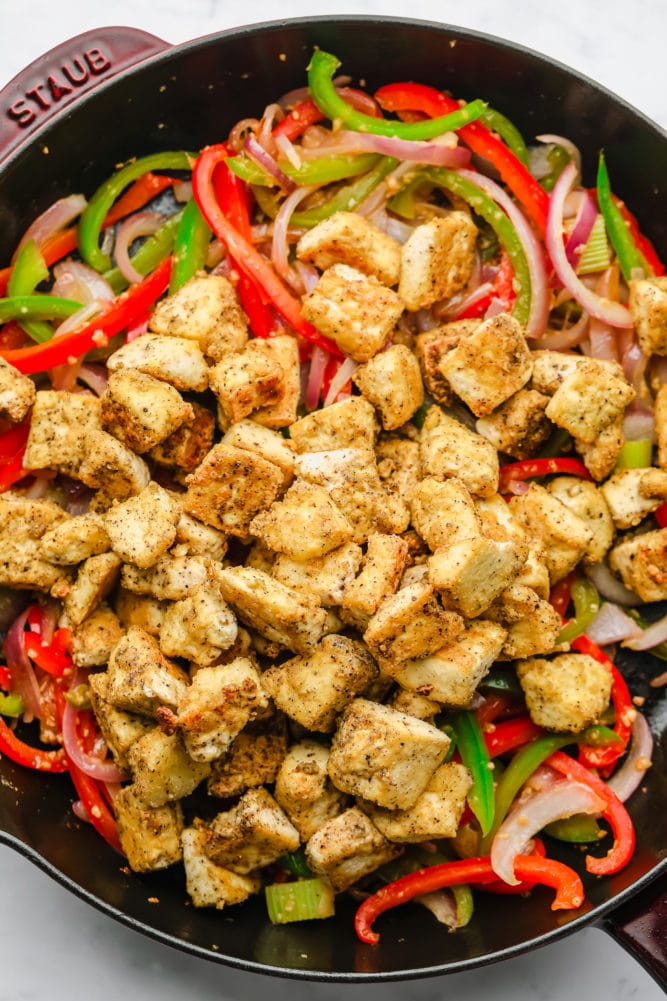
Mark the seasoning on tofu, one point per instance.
(301, 535)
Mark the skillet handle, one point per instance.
(61, 76)
(640, 927)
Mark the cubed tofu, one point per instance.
(348, 423)
(59, 424)
(140, 677)
(245, 381)
(451, 674)
(75, 539)
(432, 347)
(470, 573)
(411, 623)
(443, 512)
(208, 884)
(304, 524)
(142, 411)
(17, 393)
(600, 456)
(381, 571)
(111, 468)
(279, 613)
(262, 441)
(648, 305)
(214, 709)
(392, 382)
(149, 836)
(253, 759)
(497, 519)
(253, 834)
(532, 624)
(284, 349)
(563, 536)
(519, 426)
(349, 238)
(142, 528)
(354, 310)
(437, 812)
(94, 580)
(661, 424)
(641, 563)
(535, 573)
(383, 755)
(198, 627)
(437, 260)
(552, 368)
(314, 689)
(195, 538)
(449, 448)
(486, 368)
(23, 524)
(305, 791)
(173, 577)
(633, 494)
(176, 360)
(327, 577)
(589, 503)
(589, 400)
(187, 446)
(230, 487)
(162, 770)
(348, 847)
(95, 637)
(399, 465)
(206, 310)
(414, 704)
(119, 728)
(568, 692)
(139, 610)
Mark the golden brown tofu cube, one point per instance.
(381, 570)
(471, 573)
(588, 502)
(246, 381)
(437, 812)
(568, 692)
(176, 360)
(140, 678)
(173, 577)
(327, 577)
(253, 759)
(411, 623)
(23, 524)
(392, 382)
(448, 448)
(641, 563)
(119, 728)
(588, 401)
(399, 465)
(208, 884)
(284, 350)
(187, 446)
(354, 310)
(59, 424)
(17, 393)
(162, 769)
(348, 847)
(142, 411)
(600, 456)
(383, 755)
(253, 834)
(648, 305)
(303, 525)
(432, 347)
(199, 626)
(111, 468)
(95, 578)
(532, 624)
(633, 494)
(142, 528)
(230, 487)
(519, 426)
(262, 441)
(95, 637)
(75, 539)
(197, 539)
(149, 836)
(563, 536)
(443, 512)
(314, 689)
(349, 238)
(350, 422)
(437, 260)
(140, 610)
(206, 310)
(305, 791)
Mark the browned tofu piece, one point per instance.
(142, 528)
(589, 400)
(94, 580)
(383, 755)
(176, 360)
(600, 456)
(263, 441)
(111, 468)
(519, 426)
(392, 382)
(633, 494)
(284, 349)
(661, 424)
(199, 626)
(411, 623)
(381, 570)
(149, 836)
(253, 759)
(162, 770)
(398, 464)
(314, 689)
(172, 578)
(75, 539)
(140, 678)
(142, 411)
(304, 524)
(194, 538)
(437, 812)
(95, 637)
(187, 446)
(208, 884)
(206, 310)
(648, 305)
(17, 393)
(432, 347)
(588, 502)
(59, 424)
(354, 310)
(246, 381)
(279, 613)
(305, 791)
(532, 624)
(119, 728)
(348, 847)
(349, 238)
(567, 692)
(140, 610)
(230, 487)
(471, 573)
(449, 448)
(443, 512)
(437, 260)
(23, 524)
(327, 577)
(253, 834)
(348, 423)
(641, 563)
(562, 535)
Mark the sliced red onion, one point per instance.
(610, 587)
(182, 191)
(82, 316)
(441, 152)
(24, 679)
(308, 275)
(272, 112)
(611, 625)
(652, 636)
(532, 813)
(95, 377)
(442, 905)
(613, 313)
(563, 340)
(280, 242)
(78, 281)
(102, 771)
(339, 381)
(566, 143)
(238, 134)
(318, 363)
(464, 302)
(137, 225)
(55, 218)
(288, 150)
(659, 369)
(639, 423)
(638, 759)
(583, 224)
(256, 152)
(539, 297)
(634, 363)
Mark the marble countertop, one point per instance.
(54, 946)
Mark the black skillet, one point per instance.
(112, 94)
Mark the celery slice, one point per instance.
(302, 900)
(595, 256)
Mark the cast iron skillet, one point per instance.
(109, 95)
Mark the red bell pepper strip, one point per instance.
(247, 258)
(510, 734)
(13, 440)
(566, 882)
(28, 756)
(524, 885)
(432, 102)
(12, 335)
(561, 594)
(502, 291)
(644, 244)
(12, 471)
(130, 304)
(614, 813)
(52, 658)
(296, 122)
(661, 515)
(528, 468)
(5, 678)
(624, 711)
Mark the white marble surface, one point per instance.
(53, 947)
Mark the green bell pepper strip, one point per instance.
(29, 270)
(324, 170)
(586, 606)
(484, 206)
(507, 131)
(629, 255)
(150, 254)
(502, 682)
(11, 704)
(475, 756)
(347, 198)
(191, 243)
(579, 829)
(36, 307)
(295, 864)
(558, 158)
(323, 66)
(635, 455)
(92, 217)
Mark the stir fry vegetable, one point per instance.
(331, 481)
